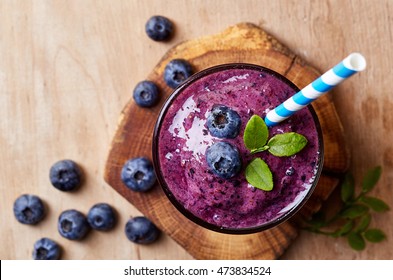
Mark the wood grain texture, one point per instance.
(67, 68)
(243, 42)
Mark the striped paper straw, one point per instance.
(352, 64)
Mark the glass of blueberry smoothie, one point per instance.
(201, 157)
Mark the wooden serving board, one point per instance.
(240, 43)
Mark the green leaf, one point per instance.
(286, 144)
(371, 178)
(363, 223)
(375, 204)
(354, 211)
(259, 175)
(374, 235)
(255, 133)
(344, 229)
(356, 241)
(347, 188)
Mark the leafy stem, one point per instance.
(255, 138)
(264, 148)
(352, 220)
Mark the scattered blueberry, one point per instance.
(223, 122)
(223, 159)
(46, 249)
(146, 94)
(72, 225)
(138, 174)
(65, 175)
(159, 28)
(101, 217)
(141, 230)
(176, 72)
(29, 209)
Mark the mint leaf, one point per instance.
(344, 229)
(374, 235)
(286, 144)
(375, 204)
(356, 241)
(363, 224)
(354, 211)
(371, 178)
(259, 175)
(255, 133)
(347, 188)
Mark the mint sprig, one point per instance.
(255, 138)
(353, 219)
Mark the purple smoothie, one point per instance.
(182, 138)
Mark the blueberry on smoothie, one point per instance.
(176, 72)
(223, 122)
(138, 174)
(101, 217)
(72, 225)
(46, 249)
(65, 175)
(146, 94)
(141, 230)
(29, 209)
(159, 28)
(223, 159)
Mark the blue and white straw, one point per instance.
(352, 64)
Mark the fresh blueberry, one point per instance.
(176, 72)
(65, 175)
(138, 174)
(101, 217)
(72, 225)
(223, 159)
(146, 94)
(141, 230)
(159, 28)
(223, 122)
(46, 249)
(29, 209)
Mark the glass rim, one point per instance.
(157, 166)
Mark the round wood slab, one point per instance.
(240, 43)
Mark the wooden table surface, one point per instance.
(67, 68)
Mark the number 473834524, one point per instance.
(233, 270)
